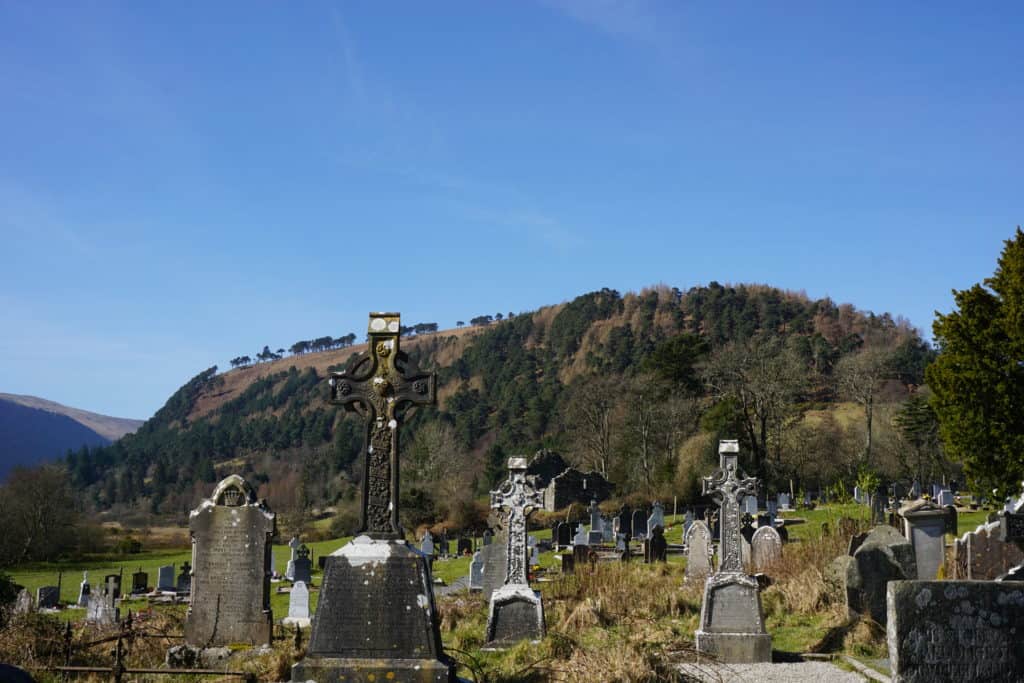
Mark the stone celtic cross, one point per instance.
(381, 385)
(520, 498)
(728, 487)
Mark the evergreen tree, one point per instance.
(978, 377)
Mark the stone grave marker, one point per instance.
(444, 544)
(750, 506)
(101, 608)
(924, 525)
(878, 504)
(596, 536)
(303, 566)
(465, 546)
(639, 524)
(936, 490)
(883, 556)
(563, 535)
(731, 618)
(944, 498)
(656, 547)
(185, 578)
(657, 517)
(140, 582)
(23, 603)
(773, 511)
(982, 555)
(699, 551)
(83, 590)
(289, 570)
(376, 618)
(607, 532)
(687, 521)
(48, 597)
(964, 631)
(582, 538)
(784, 501)
(494, 555)
(625, 518)
(765, 548)
(488, 537)
(231, 540)
(165, 579)
(427, 544)
(516, 612)
(298, 606)
(476, 573)
(115, 581)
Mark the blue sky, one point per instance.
(181, 183)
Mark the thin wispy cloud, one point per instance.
(634, 20)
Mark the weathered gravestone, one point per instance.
(427, 544)
(476, 573)
(924, 525)
(376, 618)
(981, 555)
(303, 566)
(625, 518)
(165, 579)
(657, 517)
(488, 537)
(879, 501)
(101, 608)
(655, 546)
(784, 501)
(687, 521)
(23, 603)
(48, 597)
(731, 617)
(596, 536)
(231, 540)
(140, 582)
(884, 556)
(697, 541)
(765, 548)
(185, 578)
(639, 524)
(298, 606)
(113, 580)
(750, 506)
(289, 570)
(944, 498)
(1011, 530)
(516, 612)
(83, 590)
(964, 631)
(563, 535)
(495, 556)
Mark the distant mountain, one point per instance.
(34, 430)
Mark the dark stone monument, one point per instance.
(656, 547)
(465, 546)
(964, 631)
(140, 582)
(563, 535)
(303, 566)
(165, 579)
(639, 525)
(731, 617)
(626, 520)
(376, 618)
(185, 578)
(231, 540)
(516, 612)
(48, 597)
(488, 537)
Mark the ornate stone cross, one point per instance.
(520, 498)
(381, 385)
(728, 487)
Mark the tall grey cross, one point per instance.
(381, 386)
(519, 496)
(728, 487)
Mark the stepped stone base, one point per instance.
(342, 670)
(516, 614)
(736, 648)
(732, 620)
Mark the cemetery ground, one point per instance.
(610, 621)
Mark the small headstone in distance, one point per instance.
(488, 537)
(697, 541)
(47, 597)
(298, 606)
(563, 535)
(303, 566)
(140, 582)
(639, 524)
(427, 544)
(568, 563)
(83, 590)
(765, 548)
(115, 581)
(321, 561)
(657, 545)
(23, 603)
(165, 579)
(465, 546)
(184, 584)
(476, 573)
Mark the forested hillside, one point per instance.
(638, 386)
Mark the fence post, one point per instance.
(118, 668)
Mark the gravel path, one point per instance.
(802, 672)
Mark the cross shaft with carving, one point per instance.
(728, 488)
(519, 496)
(381, 385)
